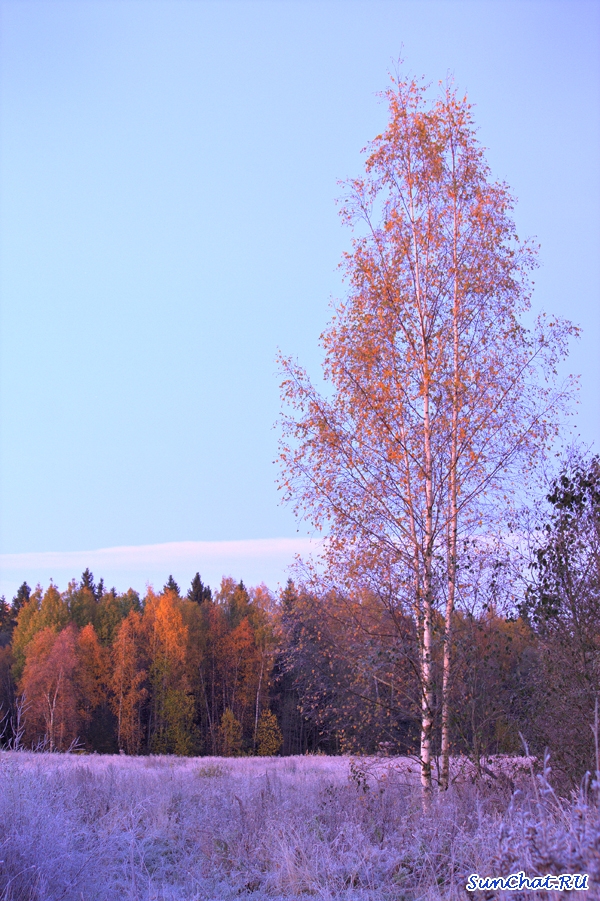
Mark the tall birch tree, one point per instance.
(440, 399)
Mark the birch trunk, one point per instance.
(452, 513)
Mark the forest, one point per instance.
(240, 672)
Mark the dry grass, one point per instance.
(138, 829)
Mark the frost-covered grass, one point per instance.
(135, 829)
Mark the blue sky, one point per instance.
(168, 172)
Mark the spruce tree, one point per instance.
(20, 599)
(198, 592)
(6, 622)
(87, 581)
(171, 585)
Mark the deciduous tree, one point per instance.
(440, 398)
(129, 673)
(171, 729)
(91, 680)
(112, 610)
(353, 666)
(230, 734)
(49, 690)
(39, 612)
(268, 735)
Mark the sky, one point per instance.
(168, 177)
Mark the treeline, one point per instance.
(163, 674)
(242, 671)
(239, 672)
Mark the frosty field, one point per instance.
(193, 829)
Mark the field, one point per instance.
(193, 829)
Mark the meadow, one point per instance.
(95, 827)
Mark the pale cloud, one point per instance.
(253, 560)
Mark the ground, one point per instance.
(195, 829)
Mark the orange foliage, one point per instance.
(48, 689)
(92, 671)
(172, 703)
(129, 673)
(441, 399)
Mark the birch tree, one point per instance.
(439, 398)
(48, 689)
(127, 682)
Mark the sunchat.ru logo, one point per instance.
(516, 882)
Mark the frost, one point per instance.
(148, 828)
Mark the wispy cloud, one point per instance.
(253, 560)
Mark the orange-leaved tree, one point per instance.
(439, 396)
(48, 689)
(91, 680)
(129, 661)
(172, 707)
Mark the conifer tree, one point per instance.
(5, 617)
(20, 599)
(198, 592)
(87, 581)
(171, 585)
